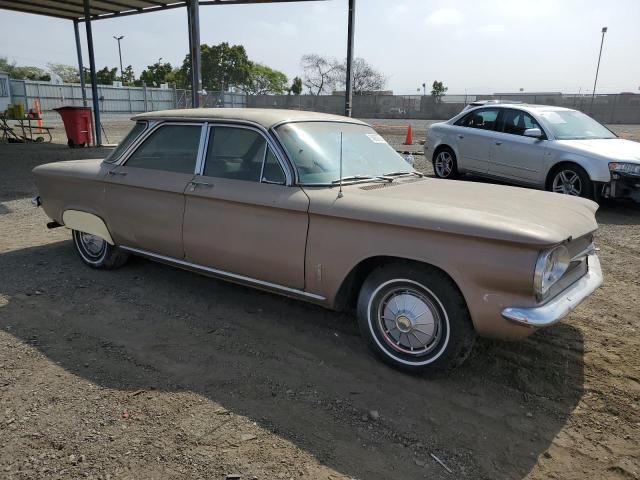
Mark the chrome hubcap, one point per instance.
(409, 321)
(444, 164)
(567, 182)
(92, 244)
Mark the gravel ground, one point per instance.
(153, 372)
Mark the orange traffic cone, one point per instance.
(409, 139)
(36, 104)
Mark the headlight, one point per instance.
(622, 167)
(550, 267)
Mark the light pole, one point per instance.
(593, 94)
(424, 89)
(120, 54)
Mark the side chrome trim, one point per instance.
(232, 277)
(560, 306)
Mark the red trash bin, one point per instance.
(77, 125)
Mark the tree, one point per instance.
(67, 73)
(438, 90)
(23, 73)
(157, 74)
(263, 80)
(296, 86)
(105, 76)
(366, 78)
(319, 73)
(223, 65)
(128, 76)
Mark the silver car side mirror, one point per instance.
(533, 132)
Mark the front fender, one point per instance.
(596, 168)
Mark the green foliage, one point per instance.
(105, 76)
(23, 73)
(263, 80)
(128, 76)
(222, 65)
(296, 86)
(438, 90)
(68, 73)
(157, 74)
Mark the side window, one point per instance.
(235, 153)
(484, 119)
(516, 122)
(173, 148)
(272, 172)
(135, 132)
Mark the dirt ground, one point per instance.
(152, 372)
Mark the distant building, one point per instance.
(373, 92)
(5, 94)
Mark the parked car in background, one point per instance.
(320, 208)
(552, 148)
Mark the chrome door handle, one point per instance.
(122, 174)
(498, 143)
(201, 184)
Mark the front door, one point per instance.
(240, 216)
(474, 134)
(145, 196)
(515, 156)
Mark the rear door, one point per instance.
(145, 195)
(474, 137)
(515, 156)
(241, 217)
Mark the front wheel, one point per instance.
(415, 319)
(571, 180)
(96, 252)
(445, 164)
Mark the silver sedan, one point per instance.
(552, 148)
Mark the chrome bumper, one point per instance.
(562, 304)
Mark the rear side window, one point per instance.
(173, 148)
(235, 153)
(134, 133)
(484, 119)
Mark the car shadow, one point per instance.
(149, 326)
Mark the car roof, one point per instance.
(266, 117)
(525, 106)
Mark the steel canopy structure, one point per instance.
(87, 11)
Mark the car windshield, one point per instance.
(135, 132)
(574, 125)
(314, 148)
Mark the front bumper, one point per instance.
(563, 303)
(624, 185)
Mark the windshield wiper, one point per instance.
(351, 178)
(398, 174)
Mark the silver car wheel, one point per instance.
(92, 245)
(409, 321)
(444, 164)
(567, 182)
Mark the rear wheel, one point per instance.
(571, 180)
(414, 318)
(445, 164)
(96, 252)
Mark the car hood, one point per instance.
(614, 149)
(467, 208)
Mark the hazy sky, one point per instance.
(482, 46)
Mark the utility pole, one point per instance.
(595, 82)
(120, 54)
(424, 89)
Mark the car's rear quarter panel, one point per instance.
(72, 185)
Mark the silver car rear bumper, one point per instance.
(562, 304)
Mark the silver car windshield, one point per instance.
(574, 125)
(315, 148)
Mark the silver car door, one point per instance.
(474, 135)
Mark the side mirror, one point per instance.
(533, 132)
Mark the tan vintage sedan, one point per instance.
(319, 207)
